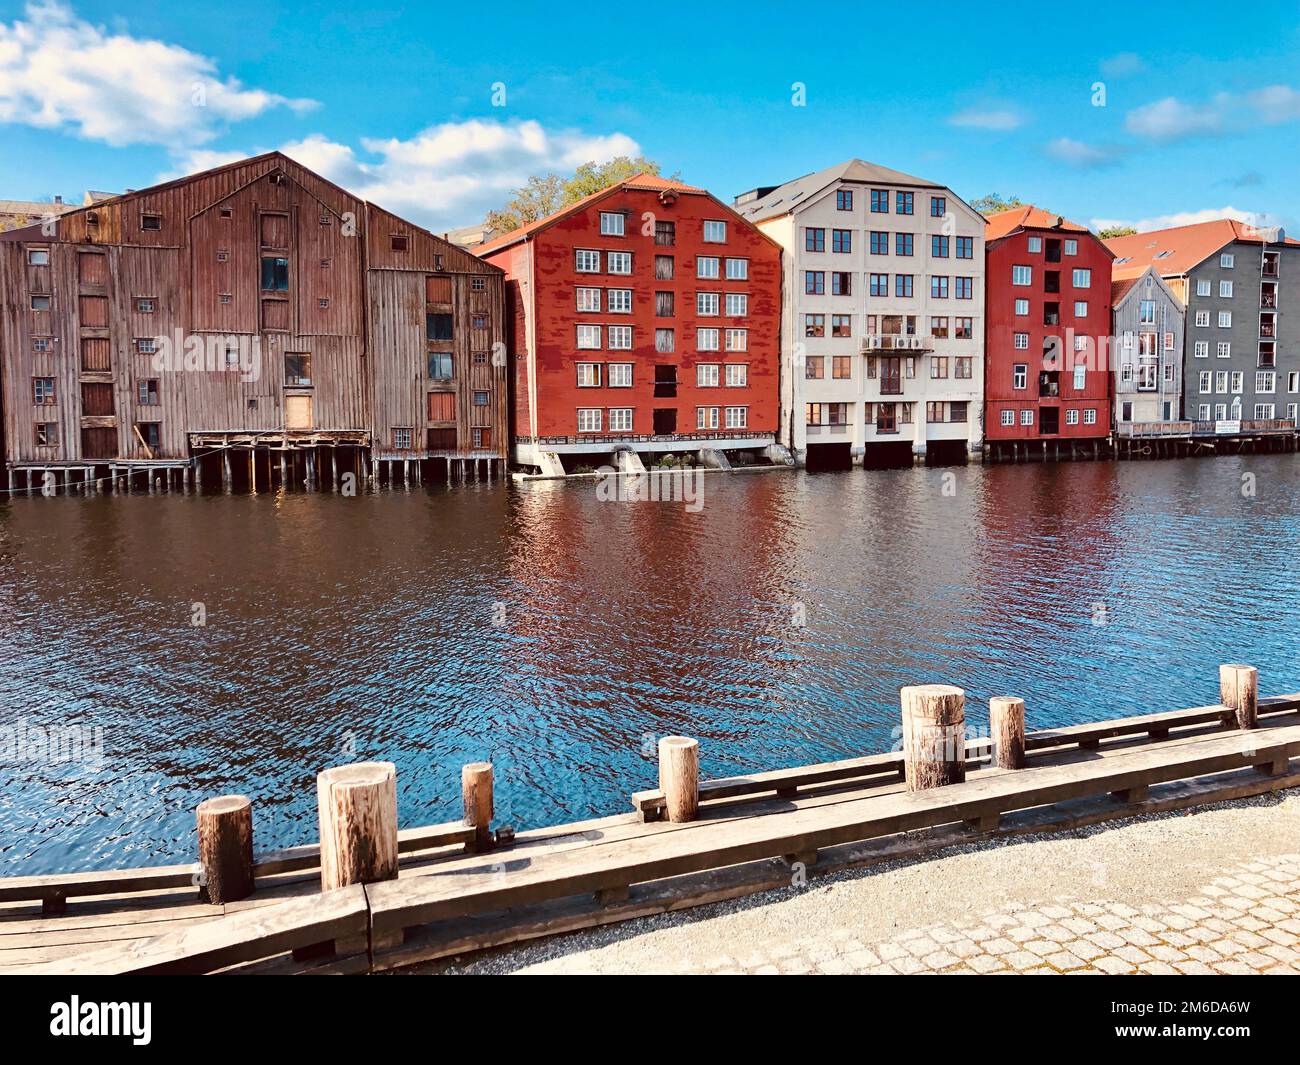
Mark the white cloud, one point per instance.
(1188, 218)
(58, 72)
(1173, 119)
(1081, 154)
(997, 118)
(1121, 65)
(447, 175)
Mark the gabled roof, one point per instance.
(1176, 251)
(1120, 289)
(1027, 216)
(793, 194)
(642, 181)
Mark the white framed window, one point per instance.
(611, 223)
(706, 375)
(1071, 417)
(1082, 278)
(706, 417)
(620, 419)
(1206, 382)
(737, 374)
(1022, 275)
(1089, 416)
(715, 232)
(588, 299)
(1020, 375)
(1266, 382)
(1022, 306)
(737, 269)
(738, 417)
(1221, 381)
(737, 339)
(618, 300)
(706, 266)
(586, 262)
(706, 304)
(737, 305)
(620, 337)
(1026, 417)
(1071, 247)
(1035, 245)
(706, 339)
(1291, 409)
(1225, 289)
(1202, 349)
(1080, 378)
(618, 262)
(588, 337)
(1220, 411)
(1225, 319)
(1223, 349)
(588, 375)
(1125, 372)
(1293, 381)
(1202, 318)
(38, 256)
(1238, 382)
(1080, 342)
(1008, 417)
(589, 419)
(1203, 412)
(1081, 308)
(1227, 260)
(1022, 341)
(1264, 410)
(1203, 287)
(619, 375)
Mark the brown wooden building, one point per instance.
(254, 322)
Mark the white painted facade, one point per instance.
(877, 324)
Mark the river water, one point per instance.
(557, 633)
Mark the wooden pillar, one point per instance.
(934, 735)
(1239, 693)
(476, 799)
(225, 848)
(679, 777)
(1007, 729)
(252, 470)
(334, 469)
(406, 473)
(357, 809)
(311, 469)
(284, 469)
(227, 481)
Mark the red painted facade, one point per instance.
(660, 221)
(1037, 377)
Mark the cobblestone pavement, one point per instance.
(1214, 891)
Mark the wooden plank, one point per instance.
(402, 903)
(69, 885)
(248, 936)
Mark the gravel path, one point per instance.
(1212, 890)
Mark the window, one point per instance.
(965, 247)
(588, 299)
(1265, 381)
(841, 325)
(665, 304)
(1264, 410)
(880, 201)
(1035, 245)
(964, 328)
(586, 262)
(1081, 278)
(1022, 307)
(1080, 378)
(1225, 319)
(1169, 342)
(842, 241)
(478, 284)
(1071, 247)
(665, 233)
(844, 200)
(1203, 287)
(619, 300)
(715, 232)
(1072, 416)
(903, 285)
(618, 262)
(1223, 349)
(962, 367)
(737, 417)
(737, 339)
(275, 274)
(440, 366)
(939, 367)
(43, 391)
(939, 247)
(589, 337)
(1020, 375)
(939, 328)
(665, 340)
(707, 266)
(879, 284)
(144, 305)
(1203, 412)
(814, 325)
(1206, 382)
(1202, 349)
(151, 222)
(903, 244)
(737, 374)
(400, 242)
(664, 267)
(706, 375)
(41, 345)
(879, 242)
(297, 369)
(1022, 275)
(814, 282)
(1202, 318)
(706, 340)
(706, 304)
(1026, 417)
(706, 417)
(1221, 381)
(1293, 382)
(1008, 417)
(619, 375)
(842, 367)
(1225, 289)
(438, 326)
(1090, 416)
(480, 358)
(737, 269)
(47, 434)
(841, 283)
(619, 337)
(814, 368)
(620, 420)
(1227, 260)
(38, 257)
(814, 239)
(40, 303)
(939, 288)
(1022, 341)
(938, 206)
(965, 287)
(146, 345)
(611, 223)
(1081, 308)
(737, 304)
(225, 297)
(903, 202)
(589, 420)
(1238, 382)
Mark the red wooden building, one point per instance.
(1047, 333)
(646, 316)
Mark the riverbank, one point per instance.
(1212, 890)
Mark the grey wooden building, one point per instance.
(1147, 350)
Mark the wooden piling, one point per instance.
(1007, 730)
(679, 777)
(934, 735)
(476, 799)
(225, 828)
(357, 809)
(1239, 693)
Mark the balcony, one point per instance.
(892, 342)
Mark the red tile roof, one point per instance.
(1026, 216)
(642, 181)
(1176, 251)
(1119, 289)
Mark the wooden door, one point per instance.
(297, 412)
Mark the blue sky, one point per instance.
(396, 103)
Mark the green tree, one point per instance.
(548, 193)
(993, 203)
(1116, 231)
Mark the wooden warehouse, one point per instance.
(250, 325)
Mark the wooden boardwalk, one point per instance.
(751, 834)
